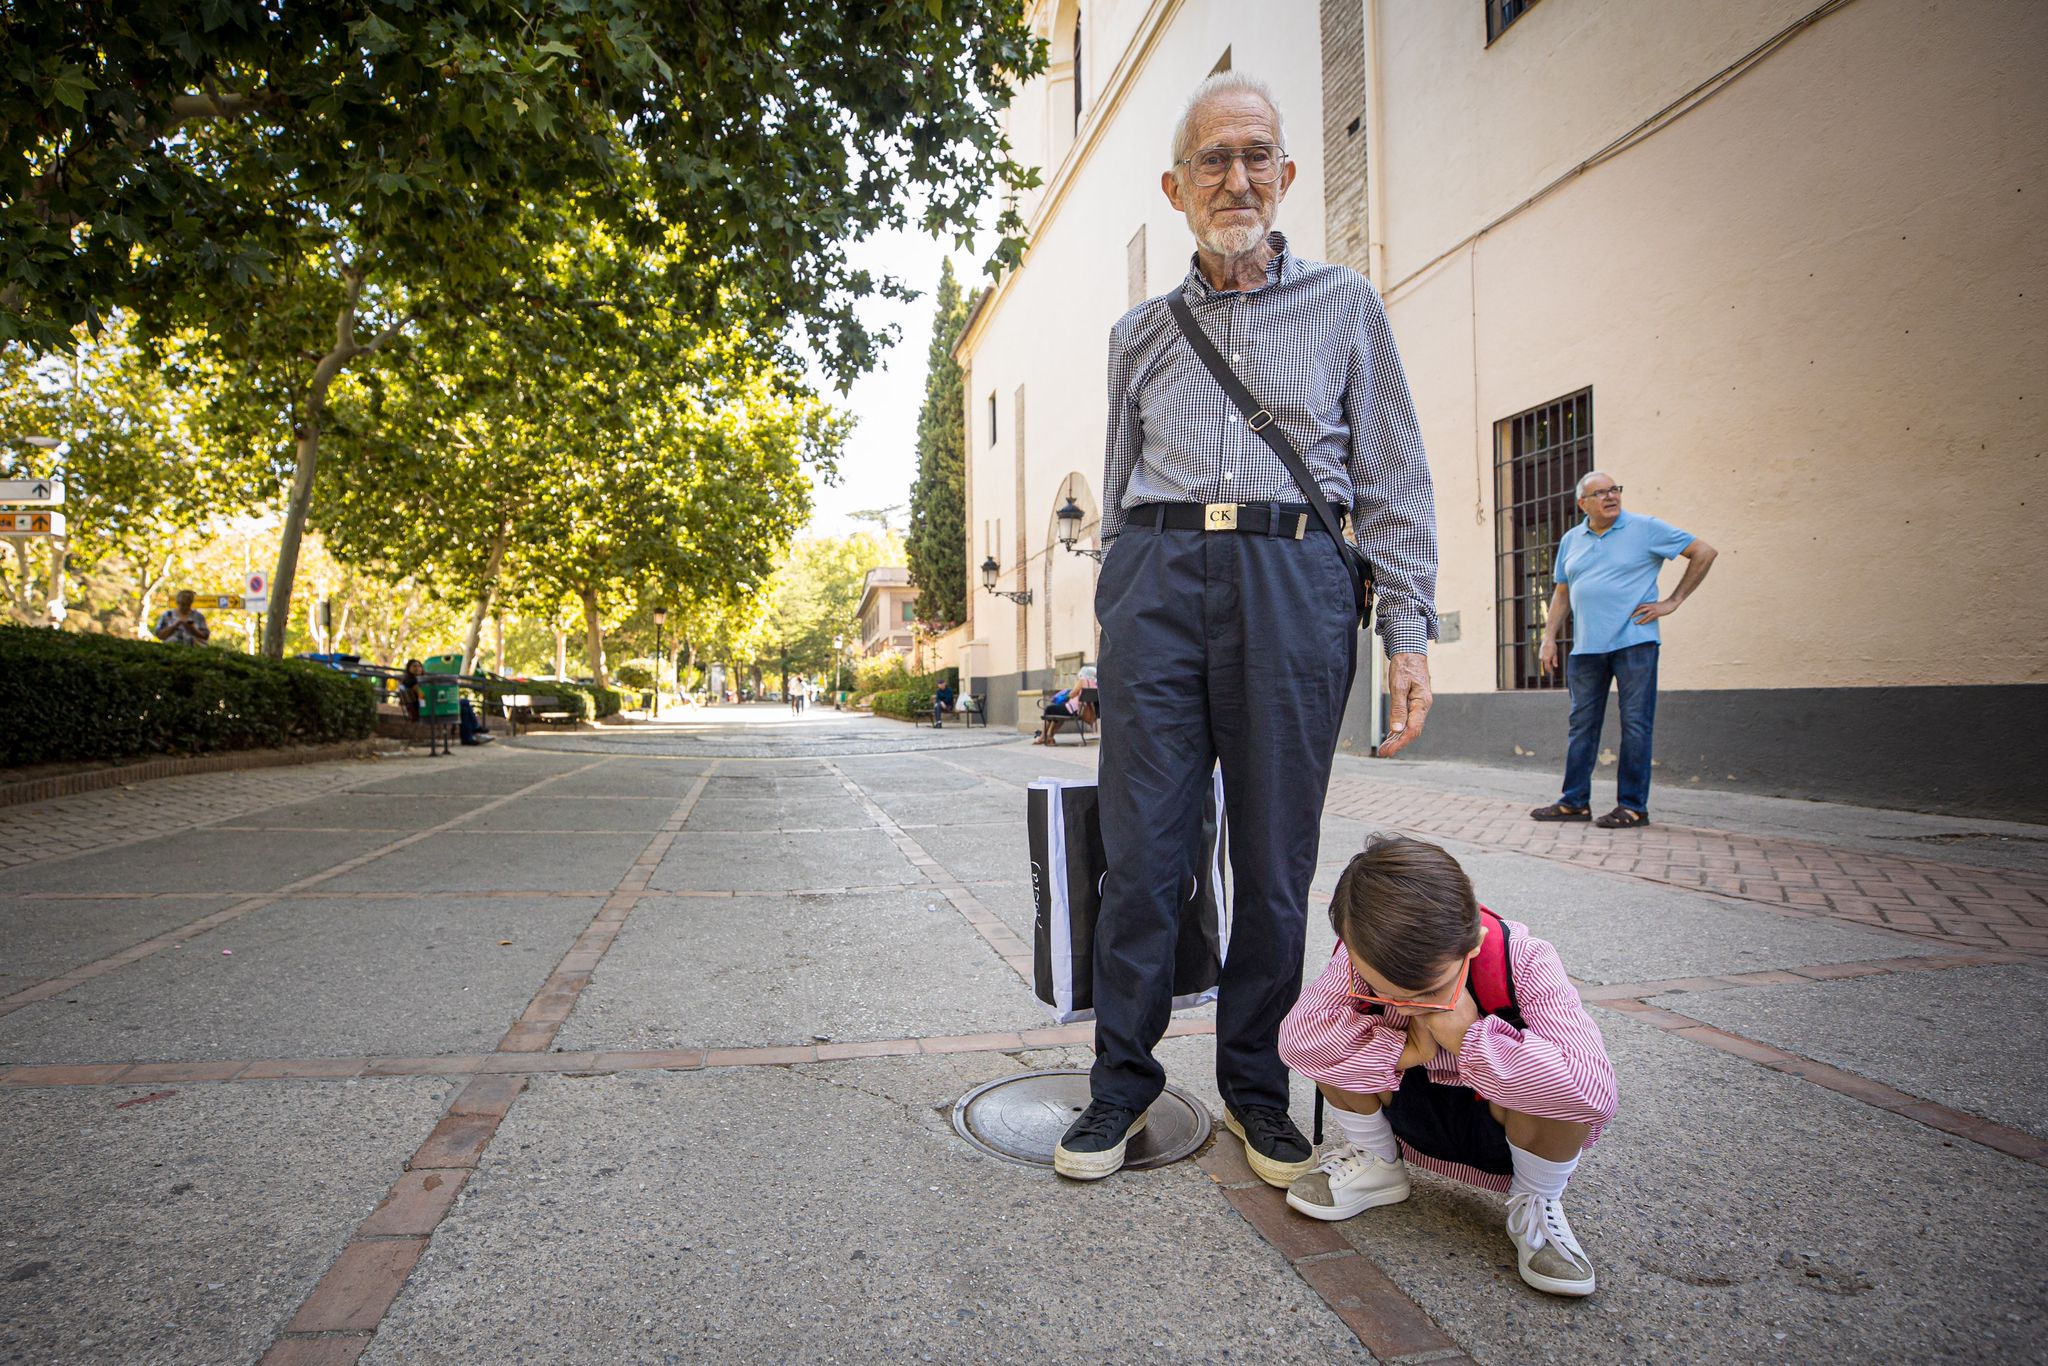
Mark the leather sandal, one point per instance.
(1558, 811)
(1621, 818)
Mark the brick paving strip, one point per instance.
(348, 1303)
(1952, 902)
(56, 986)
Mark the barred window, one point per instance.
(1501, 13)
(1539, 457)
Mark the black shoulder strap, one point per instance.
(1255, 415)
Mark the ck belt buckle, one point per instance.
(1219, 517)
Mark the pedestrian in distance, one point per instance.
(943, 701)
(183, 624)
(1449, 1038)
(1606, 572)
(1075, 703)
(1230, 607)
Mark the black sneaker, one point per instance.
(1275, 1149)
(1093, 1146)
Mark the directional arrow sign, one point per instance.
(19, 491)
(31, 524)
(218, 602)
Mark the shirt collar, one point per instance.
(1615, 525)
(1196, 286)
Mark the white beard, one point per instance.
(1228, 242)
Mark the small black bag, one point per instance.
(1261, 421)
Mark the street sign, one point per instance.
(258, 585)
(229, 602)
(18, 491)
(31, 524)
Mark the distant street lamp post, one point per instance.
(838, 658)
(660, 620)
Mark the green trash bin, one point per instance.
(440, 702)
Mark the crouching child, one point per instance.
(1444, 1036)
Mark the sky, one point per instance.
(880, 459)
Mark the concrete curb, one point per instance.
(93, 780)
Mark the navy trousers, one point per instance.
(1216, 646)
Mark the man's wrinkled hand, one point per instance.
(1650, 611)
(1408, 701)
(1546, 656)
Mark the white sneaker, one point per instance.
(1549, 1257)
(1348, 1181)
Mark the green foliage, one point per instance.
(913, 700)
(937, 543)
(881, 674)
(587, 701)
(635, 673)
(814, 597)
(99, 697)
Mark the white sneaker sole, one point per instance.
(1392, 1195)
(1095, 1166)
(1280, 1174)
(1551, 1285)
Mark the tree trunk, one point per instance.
(53, 601)
(306, 442)
(150, 583)
(593, 637)
(474, 640)
(24, 578)
(561, 653)
(348, 607)
(498, 625)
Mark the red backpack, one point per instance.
(1491, 982)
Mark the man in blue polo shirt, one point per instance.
(1607, 578)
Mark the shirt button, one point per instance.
(1235, 358)
(1226, 474)
(1233, 417)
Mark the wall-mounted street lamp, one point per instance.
(989, 570)
(1071, 518)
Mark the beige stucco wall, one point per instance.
(1047, 329)
(1811, 311)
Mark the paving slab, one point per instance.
(196, 861)
(915, 775)
(671, 778)
(1609, 928)
(314, 978)
(487, 861)
(44, 939)
(725, 861)
(464, 774)
(731, 972)
(840, 812)
(358, 811)
(618, 814)
(1975, 1039)
(187, 1229)
(976, 852)
(990, 804)
(773, 780)
(1737, 1214)
(830, 1214)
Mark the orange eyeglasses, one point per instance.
(1457, 989)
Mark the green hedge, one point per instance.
(914, 703)
(71, 696)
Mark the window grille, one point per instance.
(1501, 13)
(1539, 457)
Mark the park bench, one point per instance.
(971, 707)
(1086, 727)
(536, 707)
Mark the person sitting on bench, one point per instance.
(1069, 704)
(943, 701)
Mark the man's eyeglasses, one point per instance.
(1614, 492)
(1211, 165)
(1358, 992)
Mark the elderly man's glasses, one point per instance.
(1614, 492)
(1211, 165)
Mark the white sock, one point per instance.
(1372, 1132)
(1539, 1175)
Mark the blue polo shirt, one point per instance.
(1612, 574)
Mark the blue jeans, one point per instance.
(1634, 671)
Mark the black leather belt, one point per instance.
(1291, 520)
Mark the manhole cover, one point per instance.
(1022, 1117)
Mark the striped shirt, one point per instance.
(1555, 1067)
(1314, 347)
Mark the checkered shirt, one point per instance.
(1314, 347)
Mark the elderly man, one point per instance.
(1229, 625)
(183, 625)
(1607, 578)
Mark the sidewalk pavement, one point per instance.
(641, 1046)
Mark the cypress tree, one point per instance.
(937, 544)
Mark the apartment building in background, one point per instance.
(888, 611)
(1777, 266)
